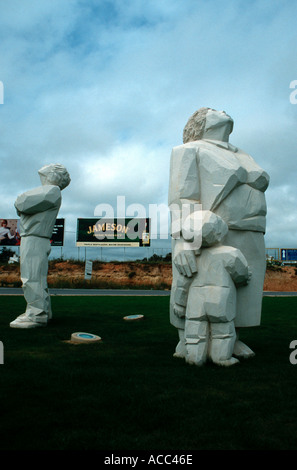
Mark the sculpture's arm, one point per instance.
(239, 269)
(180, 296)
(38, 200)
(183, 200)
(184, 258)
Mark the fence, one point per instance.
(68, 251)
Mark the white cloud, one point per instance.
(106, 88)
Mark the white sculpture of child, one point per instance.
(211, 305)
(38, 209)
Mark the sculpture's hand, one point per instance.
(179, 310)
(185, 262)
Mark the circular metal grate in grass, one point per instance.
(81, 337)
(133, 317)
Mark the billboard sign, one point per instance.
(58, 233)
(10, 232)
(288, 254)
(132, 232)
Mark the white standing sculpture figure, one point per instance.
(226, 181)
(211, 305)
(38, 209)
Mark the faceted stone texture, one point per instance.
(38, 209)
(220, 279)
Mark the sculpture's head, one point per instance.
(214, 229)
(205, 227)
(202, 120)
(54, 174)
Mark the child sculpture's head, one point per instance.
(204, 228)
(214, 229)
(54, 174)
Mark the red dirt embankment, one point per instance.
(130, 275)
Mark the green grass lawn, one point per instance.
(128, 392)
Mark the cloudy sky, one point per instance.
(106, 86)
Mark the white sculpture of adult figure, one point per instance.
(210, 171)
(38, 209)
